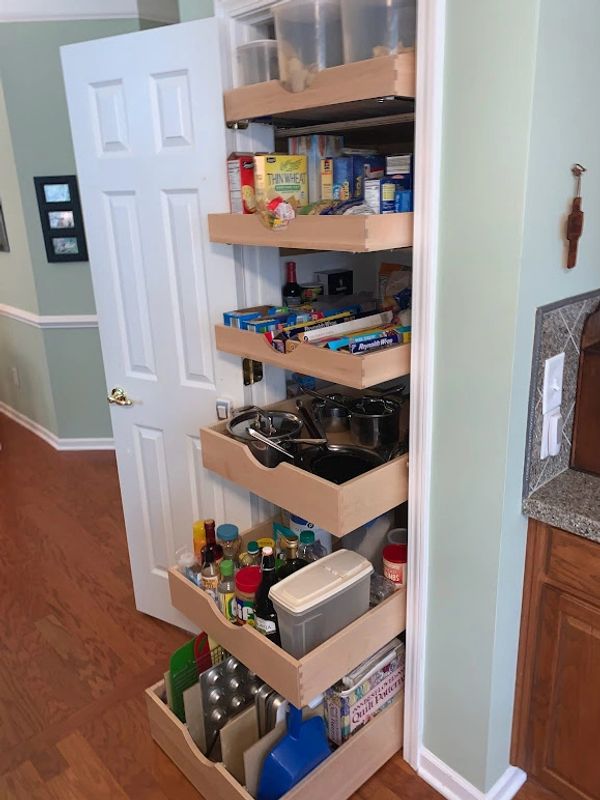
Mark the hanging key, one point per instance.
(575, 219)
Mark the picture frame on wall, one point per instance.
(4, 245)
(61, 218)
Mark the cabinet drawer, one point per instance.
(336, 779)
(574, 562)
(357, 371)
(298, 680)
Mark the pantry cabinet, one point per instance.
(557, 709)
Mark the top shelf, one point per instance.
(360, 82)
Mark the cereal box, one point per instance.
(240, 174)
(281, 176)
(348, 709)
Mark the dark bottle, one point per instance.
(211, 543)
(292, 561)
(291, 292)
(264, 610)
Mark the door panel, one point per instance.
(147, 122)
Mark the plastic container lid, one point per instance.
(248, 579)
(395, 553)
(187, 560)
(227, 533)
(319, 581)
(227, 568)
(307, 537)
(253, 547)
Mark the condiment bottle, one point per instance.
(226, 591)
(188, 566)
(394, 563)
(199, 536)
(211, 542)
(210, 575)
(251, 557)
(228, 536)
(264, 611)
(292, 561)
(309, 548)
(247, 582)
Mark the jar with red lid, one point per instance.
(247, 581)
(394, 563)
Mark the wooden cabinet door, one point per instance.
(565, 709)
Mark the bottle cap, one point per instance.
(307, 537)
(248, 579)
(253, 548)
(291, 538)
(227, 568)
(395, 553)
(227, 532)
(267, 551)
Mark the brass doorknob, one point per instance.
(118, 397)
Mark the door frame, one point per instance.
(428, 140)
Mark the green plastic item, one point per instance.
(185, 665)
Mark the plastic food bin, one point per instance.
(309, 38)
(258, 61)
(319, 600)
(375, 28)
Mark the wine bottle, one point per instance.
(264, 610)
(291, 292)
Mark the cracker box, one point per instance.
(315, 147)
(349, 174)
(281, 176)
(348, 709)
(240, 174)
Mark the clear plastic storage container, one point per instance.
(309, 38)
(374, 28)
(319, 600)
(258, 61)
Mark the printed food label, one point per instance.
(245, 612)
(209, 584)
(228, 605)
(265, 626)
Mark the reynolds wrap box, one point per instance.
(315, 148)
(348, 708)
(348, 174)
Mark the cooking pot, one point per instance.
(339, 463)
(280, 427)
(333, 418)
(375, 422)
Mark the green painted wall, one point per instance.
(195, 9)
(23, 346)
(489, 83)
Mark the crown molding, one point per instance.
(166, 11)
(49, 320)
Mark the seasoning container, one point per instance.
(251, 556)
(247, 582)
(394, 563)
(209, 575)
(226, 591)
(188, 566)
(309, 549)
(228, 536)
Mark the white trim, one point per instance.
(37, 10)
(51, 438)
(49, 320)
(428, 146)
(238, 9)
(454, 787)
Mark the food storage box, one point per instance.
(258, 62)
(363, 694)
(319, 600)
(309, 38)
(374, 28)
(281, 176)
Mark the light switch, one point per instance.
(553, 381)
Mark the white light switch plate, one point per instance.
(553, 381)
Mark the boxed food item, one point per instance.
(315, 148)
(387, 195)
(336, 281)
(240, 175)
(400, 167)
(283, 176)
(363, 693)
(342, 178)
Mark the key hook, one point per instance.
(578, 170)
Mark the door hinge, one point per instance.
(253, 371)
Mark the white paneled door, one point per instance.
(149, 136)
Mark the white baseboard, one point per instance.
(51, 438)
(454, 787)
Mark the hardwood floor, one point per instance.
(75, 655)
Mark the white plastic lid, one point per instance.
(319, 581)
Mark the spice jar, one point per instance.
(394, 563)
(247, 582)
(228, 536)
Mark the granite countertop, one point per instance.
(570, 501)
